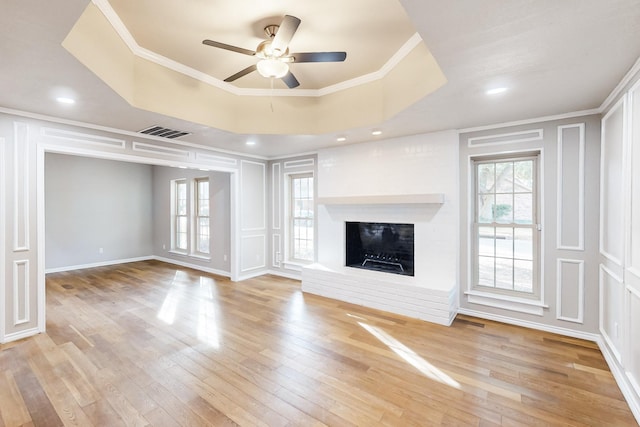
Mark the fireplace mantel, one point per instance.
(395, 199)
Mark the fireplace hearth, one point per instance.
(384, 247)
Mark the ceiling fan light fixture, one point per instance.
(272, 68)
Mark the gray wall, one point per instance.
(220, 194)
(96, 211)
(570, 300)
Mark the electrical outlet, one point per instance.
(164, 247)
(225, 257)
(100, 250)
(616, 331)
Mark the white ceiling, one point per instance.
(555, 56)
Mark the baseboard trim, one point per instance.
(193, 266)
(97, 264)
(632, 398)
(20, 335)
(531, 325)
(285, 274)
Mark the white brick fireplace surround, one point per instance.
(412, 180)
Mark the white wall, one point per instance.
(421, 164)
(96, 211)
(619, 277)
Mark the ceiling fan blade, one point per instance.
(228, 47)
(290, 80)
(285, 33)
(319, 56)
(239, 74)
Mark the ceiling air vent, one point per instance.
(164, 132)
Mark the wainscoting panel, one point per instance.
(570, 298)
(21, 187)
(21, 293)
(276, 195)
(506, 138)
(252, 182)
(571, 146)
(84, 138)
(611, 184)
(633, 354)
(253, 254)
(611, 310)
(155, 149)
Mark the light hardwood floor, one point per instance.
(149, 343)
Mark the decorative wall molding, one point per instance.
(276, 253)
(159, 150)
(562, 187)
(299, 163)
(221, 160)
(3, 261)
(506, 138)
(604, 271)
(244, 210)
(276, 196)
(21, 217)
(247, 260)
(605, 202)
(84, 138)
(578, 288)
(21, 292)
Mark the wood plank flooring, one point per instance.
(149, 343)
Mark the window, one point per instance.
(180, 219)
(190, 211)
(505, 226)
(202, 216)
(301, 218)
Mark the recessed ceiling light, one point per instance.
(251, 143)
(496, 90)
(65, 100)
(341, 139)
(376, 132)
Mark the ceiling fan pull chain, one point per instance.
(271, 94)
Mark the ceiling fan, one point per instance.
(274, 53)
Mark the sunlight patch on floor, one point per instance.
(410, 356)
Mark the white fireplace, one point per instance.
(410, 181)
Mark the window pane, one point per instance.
(486, 175)
(486, 241)
(486, 271)
(523, 208)
(485, 208)
(523, 276)
(503, 209)
(504, 177)
(523, 172)
(505, 254)
(523, 243)
(504, 242)
(504, 273)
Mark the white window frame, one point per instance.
(530, 303)
(191, 218)
(197, 217)
(176, 216)
(290, 230)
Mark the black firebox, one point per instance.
(380, 246)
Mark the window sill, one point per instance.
(296, 265)
(505, 302)
(185, 254)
